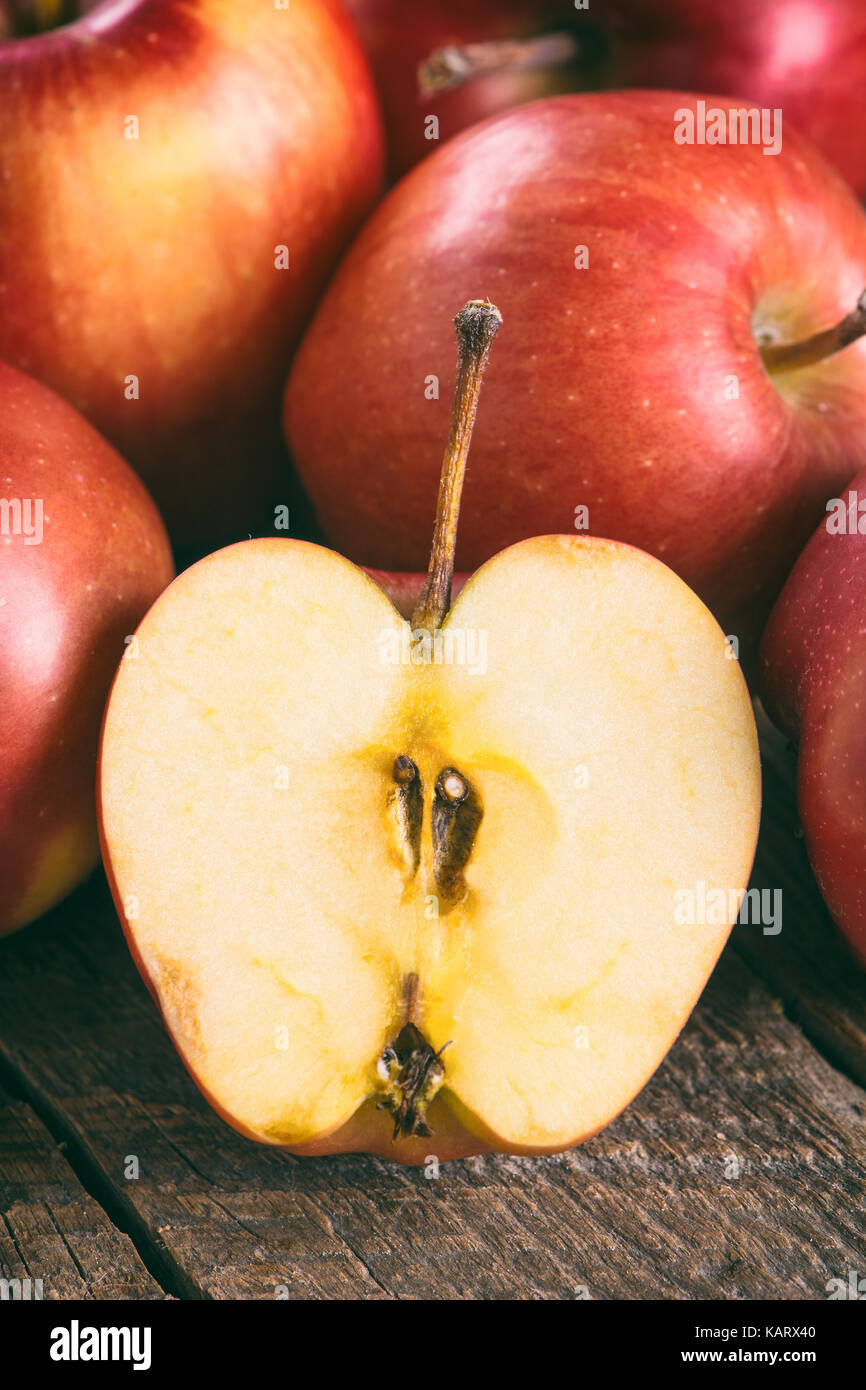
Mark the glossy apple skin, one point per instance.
(806, 56)
(258, 128)
(813, 674)
(66, 606)
(608, 386)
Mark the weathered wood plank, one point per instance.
(650, 1208)
(51, 1229)
(807, 963)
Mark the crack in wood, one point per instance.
(94, 1180)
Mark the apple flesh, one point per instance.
(813, 670)
(808, 58)
(162, 152)
(400, 904)
(247, 810)
(638, 388)
(83, 554)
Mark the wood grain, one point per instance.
(737, 1173)
(51, 1229)
(807, 964)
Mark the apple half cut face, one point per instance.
(359, 872)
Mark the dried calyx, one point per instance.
(410, 1072)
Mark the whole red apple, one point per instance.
(178, 178)
(806, 56)
(813, 670)
(642, 390)
(83, 554)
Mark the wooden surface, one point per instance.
(739, 1172)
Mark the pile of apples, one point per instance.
(396, 830)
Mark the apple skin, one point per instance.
(65, 607)
(608, 389)
(813, 676)
(155, 257)
(808, 57)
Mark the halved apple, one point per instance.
(386, 879)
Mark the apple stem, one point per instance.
(411, 995)
(788, 357)
(453, 65)
(477, 325)
(23, 18)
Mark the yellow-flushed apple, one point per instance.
(412, 887)
(83, 554)
(177, 181)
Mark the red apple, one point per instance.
(155, 156)
(83, 554)
(644, 388)
(806, 56)
(813, 669)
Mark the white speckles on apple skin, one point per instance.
(617, 335)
